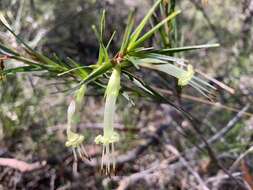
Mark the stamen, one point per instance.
(75, 162)
(82, 156)
(107, 159)
(103, 157)
(113, 159)
(85, 153)
(74, 153)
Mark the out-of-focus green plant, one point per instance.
(132, 56)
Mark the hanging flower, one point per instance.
(75, 140)
(185, 77)
(109, 135)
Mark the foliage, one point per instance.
(150, 61)
(131, 53)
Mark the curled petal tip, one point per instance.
(186, 77)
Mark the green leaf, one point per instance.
(152, 31)
(127, 34)
(164, 57)
(44, 59)
(83, 74)
(187, 48)
(139, 61)
(140, 27)
(102, 24)
(39, 56)
(58, 60)
(102, 69)
(30, 62)
(133, 60)
(16, 36)
(13, 71)
(140, 84)
(110, 41)
(103, 54)
(4, 49)
(82, 70)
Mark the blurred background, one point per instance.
(157, 150)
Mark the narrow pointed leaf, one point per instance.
(102, 69)
(152, 31)
(103, 54)
(4, 49)
(83, 70)
(13, 71)
(165, 57)
(111, 39)
(16, 36)
(139, 29)
(102, 24)
(129, 28)
(188, 48)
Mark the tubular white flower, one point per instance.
(75, 140)
(185, 77)
(109, 135)
(71, 112)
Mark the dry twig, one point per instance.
(187, 165)
(21, 165)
